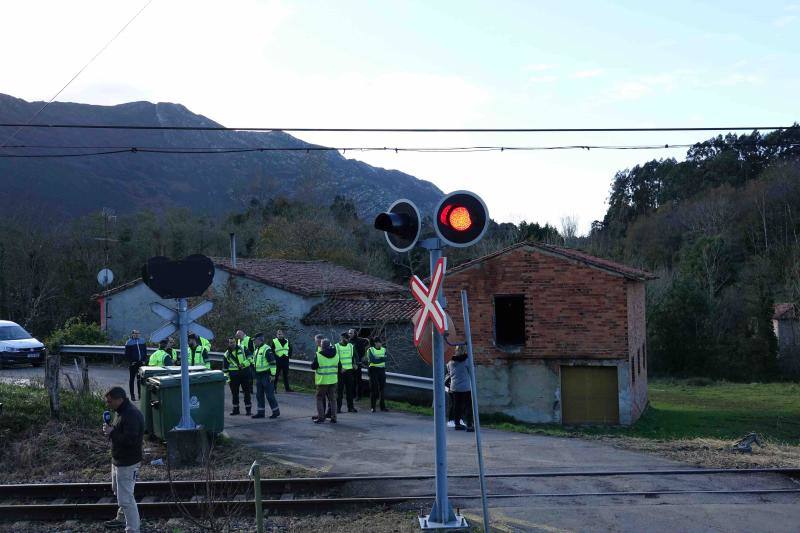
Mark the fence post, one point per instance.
(51, 378)
(84, 376)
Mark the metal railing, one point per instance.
(300, 365)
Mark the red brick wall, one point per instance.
(572, 310)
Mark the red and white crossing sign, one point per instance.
(427, 298)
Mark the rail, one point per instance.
(300, 365)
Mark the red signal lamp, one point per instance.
(461, 219)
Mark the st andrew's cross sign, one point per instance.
(427, 298)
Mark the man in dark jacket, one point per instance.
(136, 352)
(360, 345)
(126, 434)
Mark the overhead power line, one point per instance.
(391, 130)
(73, 78)
(111, 150)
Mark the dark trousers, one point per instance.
(346, 384)
(451, 408)
(241, 379)
(358, 385)
(463, 407)
(326, 394)
(377, 383)
(133, 370)
(264, 389)
(282, 367)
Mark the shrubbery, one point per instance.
(75, 331)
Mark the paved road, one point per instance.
(400, 443)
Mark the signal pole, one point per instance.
(442, 515)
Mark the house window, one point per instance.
(509, 320)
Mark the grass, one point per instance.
(680, 410)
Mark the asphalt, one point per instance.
(394, 443)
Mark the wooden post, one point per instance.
(51, 379)
(84, 376)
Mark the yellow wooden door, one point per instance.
(589, 395)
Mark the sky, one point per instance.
(444, 64)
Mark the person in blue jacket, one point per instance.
(136, 352)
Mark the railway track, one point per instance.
(64, 501)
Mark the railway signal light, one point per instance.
(461, 219)
(401, 224)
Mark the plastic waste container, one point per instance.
(206, 401)
(147, 372)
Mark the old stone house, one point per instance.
(558, 335)
(312, 297)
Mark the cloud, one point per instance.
(631, 90)
(590, 73)
(547, 78)
(782, 22)
(539, 67)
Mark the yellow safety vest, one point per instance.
(380, 355)
(327, 372)
(280, 349)
(197, 357)
(345, 354)
(263, 362)
(237, 360)
(157, 358)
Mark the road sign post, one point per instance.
(180, 321)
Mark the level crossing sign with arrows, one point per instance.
(428, 299)
(172, 324)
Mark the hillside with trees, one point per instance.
(721, 230)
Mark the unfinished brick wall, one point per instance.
(572, 311)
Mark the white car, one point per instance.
(18, 346)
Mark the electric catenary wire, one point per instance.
(73, 78)
(394, 130)
(112, 150)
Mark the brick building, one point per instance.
(558, 335)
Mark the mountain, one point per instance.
(211, 183)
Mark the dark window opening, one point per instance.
(509, 320)
(633, 370)
(639, 361)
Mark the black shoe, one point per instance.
(470, 429)
(352, 410)
(319, 421)
(259, 414)
(333, 420)
(327, 415)
(372, 409)
(248, 412)
(384, 409)
(235, 411)
(115, 524)
(275, 414)
(459, 427)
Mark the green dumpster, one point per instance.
(147, 372)
(206, 401)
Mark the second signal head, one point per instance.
(461, 219)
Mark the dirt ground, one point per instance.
(713, 453)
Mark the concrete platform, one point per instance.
(398, 443)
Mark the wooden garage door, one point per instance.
(589, 395)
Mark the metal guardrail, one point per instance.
(300, 365)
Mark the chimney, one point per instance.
(233, 250)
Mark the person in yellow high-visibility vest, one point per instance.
(162, 356)
(326, 375)
(283, 351)
(264, 363)
(349, 365)
(376, 355)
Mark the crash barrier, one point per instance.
(398, 385)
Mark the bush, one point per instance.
(75, 331)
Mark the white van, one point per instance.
(17, 346)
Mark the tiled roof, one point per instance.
(786, 311)
(352, 311)
(309, 278)
(568, 253)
